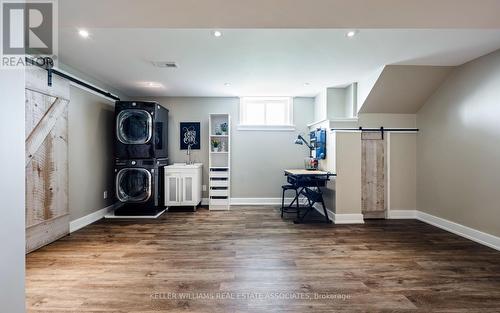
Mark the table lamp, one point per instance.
(310, 163)
(301, 141)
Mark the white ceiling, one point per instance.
(258, 61)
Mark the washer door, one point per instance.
(134, 126)
(133, 185)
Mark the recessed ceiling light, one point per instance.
(227, 84)
(84, 33)
(153, 85)
(217, 33)
(307, 84)
(351, 33)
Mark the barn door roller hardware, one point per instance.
(48, 64)
(381, 129)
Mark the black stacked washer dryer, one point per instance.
(141, 130)
(141, 153)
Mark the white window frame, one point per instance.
(284, 127)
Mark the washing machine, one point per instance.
(139, 185)
(141, 130)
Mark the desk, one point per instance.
(309, 183)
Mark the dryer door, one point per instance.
(134, 126)
(133, 185)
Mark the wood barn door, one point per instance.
(373, 175)
(47, 212)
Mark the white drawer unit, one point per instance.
(219, 189)
(219, 192)
(183, 184)
(218, 173)
(219, 183)
(219, 204)
(219, 161)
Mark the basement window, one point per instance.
(266, 113)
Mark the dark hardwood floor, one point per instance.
(249, 260)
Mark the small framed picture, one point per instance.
(190, 135)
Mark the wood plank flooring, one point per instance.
(249, 260)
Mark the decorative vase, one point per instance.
(223, 128)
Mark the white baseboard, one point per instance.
(458, 229)
(341, 218)
(401, 214)
(461, 230)
(90, 218)
(348, 219)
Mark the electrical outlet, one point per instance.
(204, 187)
(105, 194)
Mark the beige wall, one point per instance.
(351, 101)
(376, 120)
(402, 167)
(320, 107)
(258, 158)
(91, 80)
(403, 89)
(348, 170)
(91, 152)
(458, 147)
(335, 103)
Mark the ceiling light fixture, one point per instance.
(217, 33)
(83, 33)
(227, 84)
(307, 84)
(153, 85)
(351, 33)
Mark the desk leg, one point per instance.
(328, 221)
(298, 204)
(316, 199)
(283, 203)
(299, 218)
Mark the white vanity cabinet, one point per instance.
(183, 184)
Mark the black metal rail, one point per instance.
(48, 63)
(381, 130)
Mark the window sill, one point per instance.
(283, 128)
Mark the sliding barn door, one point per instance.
(47, 212)
(373, 175)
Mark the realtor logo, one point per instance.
(27, 28)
